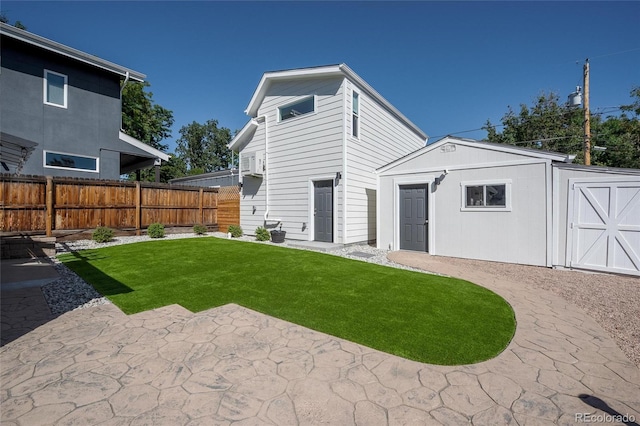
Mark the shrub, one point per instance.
(235, 230)
(199, 229)
(262, 234)
(155, 230)
(102, 234)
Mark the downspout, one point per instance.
(126, 80)
(266, 168)
(345, 116)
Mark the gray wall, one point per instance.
(206, 181)
(90, 122)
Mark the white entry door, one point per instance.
(604, 227)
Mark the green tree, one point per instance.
(620, 136)
(203, 147)
(174, 168)
(150, 123)
(142, 118)
(551, 126)
(4, 18)
(547, 125)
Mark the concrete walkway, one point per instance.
(22, 304)
(230, 365)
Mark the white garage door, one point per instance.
(605, 225)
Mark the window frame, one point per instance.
(46, 166)
(355, 115)
(484, 183)
(45, 91)
(298, 101)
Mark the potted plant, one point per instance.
(277, 235)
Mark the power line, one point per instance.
(615, 53)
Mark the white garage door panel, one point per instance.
(605, 227)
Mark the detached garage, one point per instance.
(464, 198)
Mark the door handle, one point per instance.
(426, 221)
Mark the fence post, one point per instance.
(49, 213)
(138, 209)
(200, 206)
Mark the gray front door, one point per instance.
(323, 211)
(413, 217)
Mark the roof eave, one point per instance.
(245, 133)
(69, 52)
(268, 77)
(143, 146)
(374, 93)
(325, 71)
(547, 155)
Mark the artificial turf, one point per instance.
(418, 316)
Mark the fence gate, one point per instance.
(604, 225)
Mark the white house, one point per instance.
(469, 199)
(309, 152)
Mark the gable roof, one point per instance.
(324, 71)
(499, 147)
(69, 52)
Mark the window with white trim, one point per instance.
(59, 160)
(296, 109)
(355, 115)
(55, 89)
(486, 196)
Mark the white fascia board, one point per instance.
(545, 155)
(143, 146)
(243, 135)
(410, 156)
(325, 71)
(373, 93)
(268, 77)
(61, 49)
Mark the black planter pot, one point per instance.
(278, 236)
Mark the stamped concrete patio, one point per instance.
(230, 365)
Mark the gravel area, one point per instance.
(612, 300)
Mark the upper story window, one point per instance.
(355, 115)
(486, 196)
(305, 106)
(55, 89)
(58, 160)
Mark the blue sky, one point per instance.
(448, 66)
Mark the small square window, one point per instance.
(489, 196)
(55, 89)
(486, 196)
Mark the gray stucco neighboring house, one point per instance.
(60, 111)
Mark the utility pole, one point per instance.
(587, 116)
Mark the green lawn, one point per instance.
(418, 316)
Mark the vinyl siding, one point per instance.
(382, 139)
(301, 149)
(515, 236)
(253, 188)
